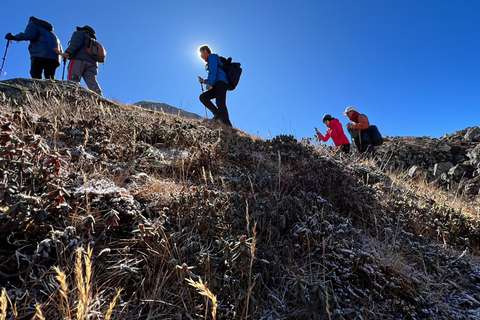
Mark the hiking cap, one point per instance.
(87, 28)
(327, 117)
(350, 108)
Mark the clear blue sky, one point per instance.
(411, 65)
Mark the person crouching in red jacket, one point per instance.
(335, 131)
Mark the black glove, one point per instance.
(9, 36)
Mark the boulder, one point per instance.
(471, 188)
(472, 134)
(476, 173)
(474, 156)
(457, 172)
(416, 171)
(441, 167)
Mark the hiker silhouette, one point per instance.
(82, 64)
(44, 48)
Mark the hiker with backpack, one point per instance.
(334, 131)
(217, 86)
(44, 48)
(359, 130)
(82, 64)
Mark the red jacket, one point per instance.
(336, 132)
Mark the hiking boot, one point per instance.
(226, 122)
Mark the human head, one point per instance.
(89, 30)
(326, 119)
(348, 112)
(204, 51)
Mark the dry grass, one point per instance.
(309, 214)
(3, 305)
(62, 280)
(112, 305)
(204, 291)
(38, 312)
(430, 190)
(427, 190)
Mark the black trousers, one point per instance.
(345, 148)
(219, 93)
(45, 65)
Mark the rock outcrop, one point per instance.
(22, 91)
(453, 160)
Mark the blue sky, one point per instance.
(412, 66)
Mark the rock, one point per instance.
(474, 156)
(441, 167)
(472, 134)
(443, 147)
(471, 188)
(476, 173)
(416, 171)
(457, 172)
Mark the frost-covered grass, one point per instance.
(264, 229)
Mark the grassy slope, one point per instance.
(276, 229)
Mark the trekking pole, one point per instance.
(206, 113)
(64, 63)
(5, 57)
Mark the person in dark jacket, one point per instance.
(217, 86)
(45, 48)
(81, 63)
(334, 131)
(359, 130)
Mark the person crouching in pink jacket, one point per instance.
(334, 131)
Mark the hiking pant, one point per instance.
(366, 149)
(79, 68)
(45, 65)
(219, 93)
(345, 148)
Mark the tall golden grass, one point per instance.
(3, 305)
(204, 291)
(38, 312)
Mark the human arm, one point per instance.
(361, 125)
(212, 70)
(75, 44)
(321, 136)
(30, 33)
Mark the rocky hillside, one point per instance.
(452, 161)
(110, 211)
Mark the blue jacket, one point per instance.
(42, 40)
(215, 73)
(77, 48)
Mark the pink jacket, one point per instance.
(336, 132)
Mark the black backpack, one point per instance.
(233, 71)
(375, 136)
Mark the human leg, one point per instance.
(36, 68)
(368, 150)
(206, 98)
(346, 148)
(50, 67)
(221, 99)
(75, 70)
(90, 77)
